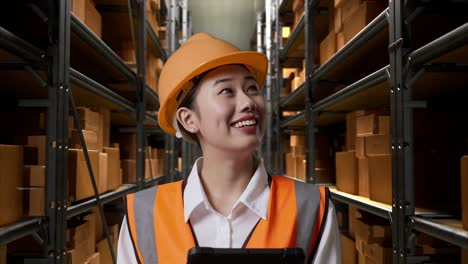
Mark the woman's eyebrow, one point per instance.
(248, 77)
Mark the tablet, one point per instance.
(206, 255)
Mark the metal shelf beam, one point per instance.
(21, 229)
(19, 47)
(294, 35)
(87, 35)
(374, 27)
(456, 236)
(361, 85)
(361, 204)
(446, 43)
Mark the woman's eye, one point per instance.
(252, 89)
(226, 91)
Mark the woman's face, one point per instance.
(230, 110)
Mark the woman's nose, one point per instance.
(247, 104)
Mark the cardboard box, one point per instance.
(351, 128)
(348, 250)
(36, 199)
(363, 176)
(34, 176)
(114, 179)
(340, 41)
(11, 178)
(90, 138)
(127, 145)
(464, 256)
(92, 18)
(373, 230)
(377, 145)
(327, 47)
(300, 168)
(360, 147)
(79, 183)
(39, 142)
(157, 153)
(103, 132)
(103, 172)
(349, 7)
(297, 140)
(78, 8)
(353, 215)
(337, 20)
(3, 254)
(89, 120)
(290, 165)
(77, 233)
(79, 254)
(372, 124)
(357, 20)
(150, 171)
(128, 170)
(104, 253)
(464, 190)
(380, 178)
(373, 253)
(94, 259)
(91, 220)
(346, 172)
(80, 241)
(30, 155)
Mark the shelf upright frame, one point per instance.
(268, 85)
(310, 35)
(279, 160)
(403, 207)
(57, 128)
(171, 156)
(140, 90)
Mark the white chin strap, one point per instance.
(176, 126)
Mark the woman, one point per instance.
(210, 94)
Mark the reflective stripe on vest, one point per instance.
(159, 233)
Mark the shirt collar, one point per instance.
(255, 196)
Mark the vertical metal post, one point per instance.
(171, 141)
(402, 143)
(57, 128)
(259, 32)
(268, 84)
(279, 159)
(141, 108)
(309, 91)
(187, 155)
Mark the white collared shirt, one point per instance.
(231, 231)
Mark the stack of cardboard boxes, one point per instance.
(368, 240)
(365, 167)
(86, 11)
(346, 19)
(296, 159)
(154, 162)
(105, 160)
(298, 11)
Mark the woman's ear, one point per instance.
(187, 119)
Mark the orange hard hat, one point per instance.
(200, 53)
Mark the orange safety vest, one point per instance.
(155, 218)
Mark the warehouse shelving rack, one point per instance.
(392, 81)
(47, 80)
